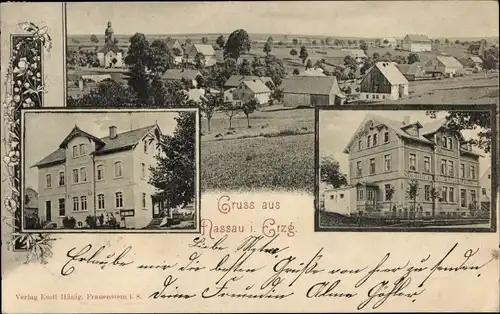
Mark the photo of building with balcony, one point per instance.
(406, 169)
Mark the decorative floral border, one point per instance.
(23, 89)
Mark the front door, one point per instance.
(48, 211)
(157, 208)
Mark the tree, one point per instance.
(386, 41)
(245, 68)
(237, 43)
(296, 71)
(174, 176)
(204, 40)
(187, 41)
(472, 120)
(115, 41)
(447, 41)
(349, 42)
(209, 104)
(330, 173)
(351, 63)
(249, 107)
(267, 48)
(329, 41)
(457, 42)
(363, 46)
(314, 42)
(412, 192)
(220, 41)
(160, 59)
(277, 94)
(199, 60)
(293, 52)
(270, 39)
(389, 194)
(137, 59)
(295, 41)
(490, 58)
(322, 41)
(303, 55)
(413, 57)
(376, 56)
(108, 93)
(94, 39)
(309, 64)
(230, 109)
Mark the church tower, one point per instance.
(109, 34)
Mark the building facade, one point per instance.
(110, 56)
(338, 200)
(388, 159)
(445, 65)
(252, 89)
(311, 91)
(416, 43)
(90, 176)
(383, 81)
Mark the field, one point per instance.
(277, 157)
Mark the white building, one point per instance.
(338, 200)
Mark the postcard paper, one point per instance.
(225, 157)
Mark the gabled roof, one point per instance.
(449, 61)
(476, 59)
(475, 46)
(122, 141)
(110, 46)
(179, 74)
(356, 53)
(78, 132)
(410, 69)
(390, 72)
(256, 86)
(418, 38)
(206, 50)
(319, 85)
(235, 80)
(170, 43)
(313, 72)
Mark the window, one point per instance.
(360, 195)
(100, 172)
(427, 164)
(413, 162)
(143, 171)
(463, 198)
(359, 169)
(80, 224)
(450, 168)
(445, 143)
(118, 169)
(450, 143)
(83, 203)
(372, 166)
(388, 192)
(143, 200)
(483, 191)
(119, 200)
(341, 195)
(472, 197)
(48, 210)
(100, 201)
(48, 181)
(83, 174)
(427, 193)
(444, 194)
(462, 171)
(75, 151)
(61, 178)
(368, 142)
(387, 162)
(489, 176)
(75, 204)
(386, 136)
(360, 145)
(145, 147)
(375, 139)
(62, 208)
(451, 194)
(443, 166)
(75, 175)
(369, 195)
(82, 150)
(472, 173)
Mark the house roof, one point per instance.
(256, 86)
(474, 47)
(110, 46)
(410, 69)
(449, 61)
(206, 50)
(419, 38)
(389, 39)
(235, 80)
(170, 43)
(313, 72)
(356, 53)
(476, 59)
(320, 85)
(179, 74)
(122, 141)
(390, 72)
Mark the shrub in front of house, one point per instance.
(69, 222)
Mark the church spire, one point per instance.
(109, 34)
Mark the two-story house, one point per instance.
(387, 157)
(91, 176)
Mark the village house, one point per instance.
(312, 72)
(311, 91)
(228, 95)
(338, 200)
(447, 66)
(485, 183)
(186, 75)
(235, 80)
(386, 155)
(383, 81)
(206, 50)
(358, 55)
(110, 56)
(416, 43)
(91, 176)
(411, 72)
(89, 82)
(478, 62)
(175, 48)
(388, 42)
(252, 89)
(475, 49)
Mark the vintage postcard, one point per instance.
(266, 156)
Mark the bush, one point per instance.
(32, 222)
(91, 222)
(69, 223)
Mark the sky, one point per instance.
(335, 18)
(341, 126)
(45, 131)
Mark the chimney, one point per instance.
(112, 132)
(406, 120)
